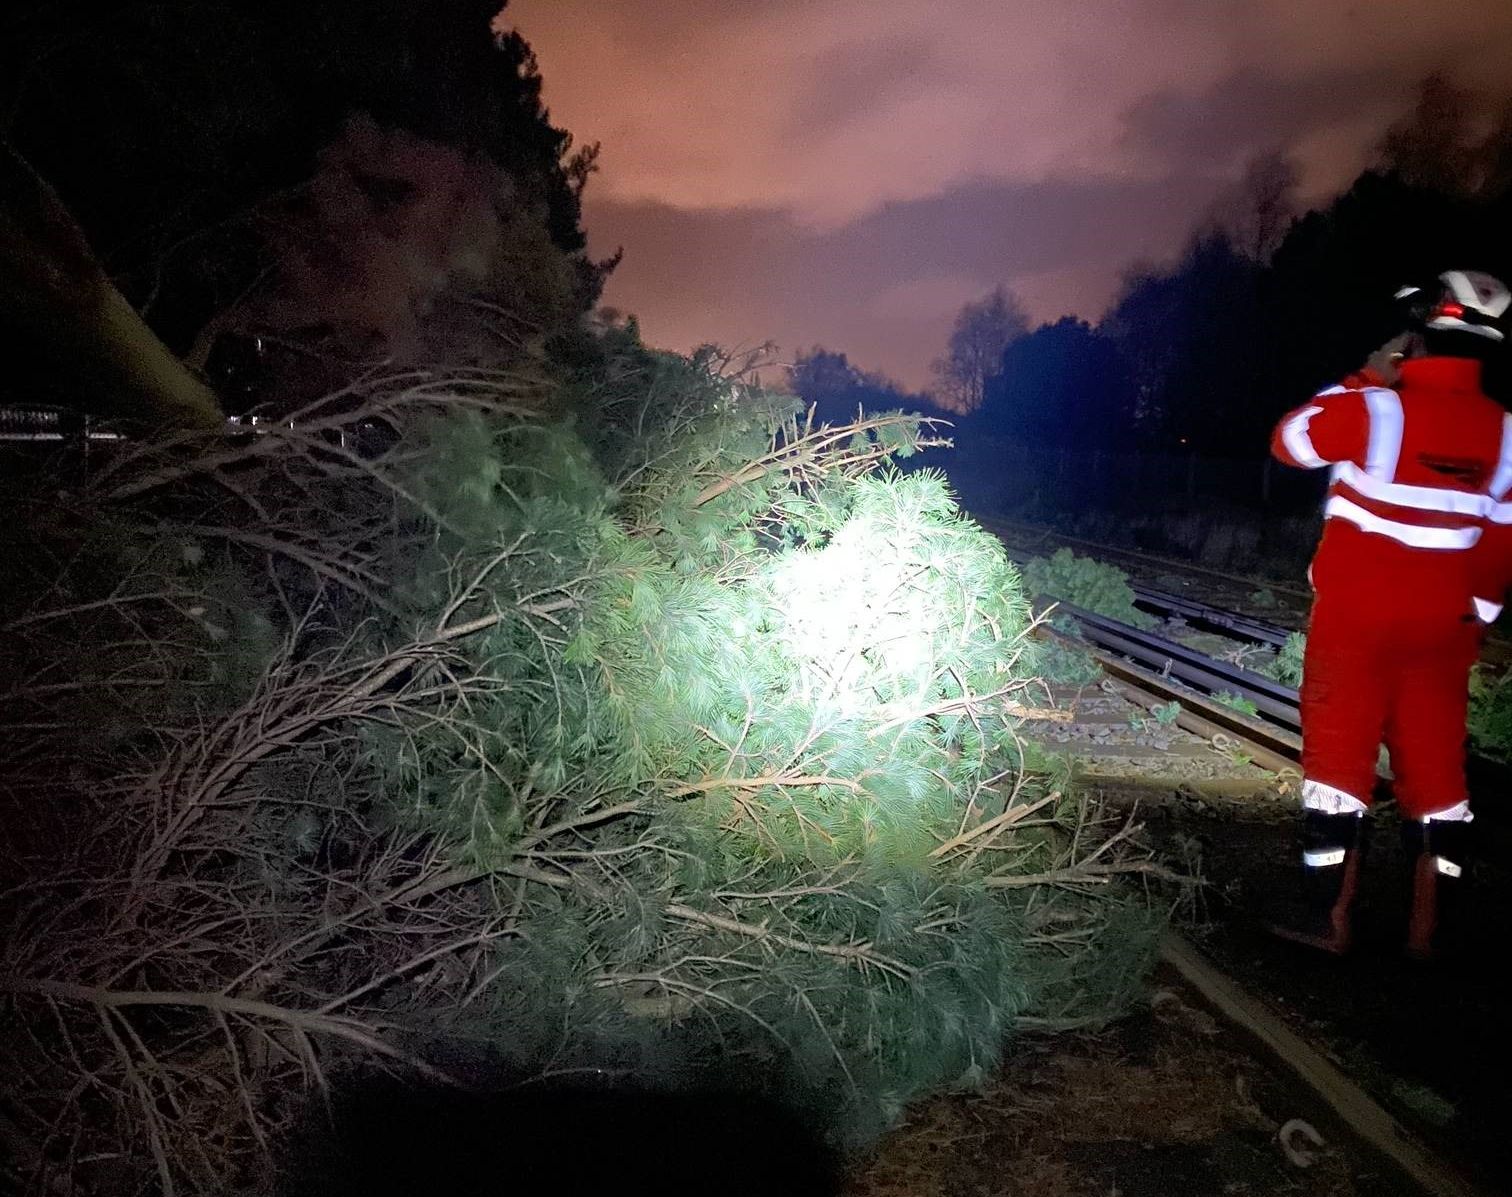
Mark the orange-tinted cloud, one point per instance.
(809, 120)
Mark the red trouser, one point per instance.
(1376, 673)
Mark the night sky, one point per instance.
(848, 172)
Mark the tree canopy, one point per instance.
(838, 389)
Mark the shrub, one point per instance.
(1085, 583)
(1491, 713)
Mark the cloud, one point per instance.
(832, 108)
(1247, 113)
(932, 297)
(885, 287)
(838, 159)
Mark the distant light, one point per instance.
(1183, 440)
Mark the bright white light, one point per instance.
(856, 619)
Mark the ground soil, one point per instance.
(1169, 1101)
(1432, 1044)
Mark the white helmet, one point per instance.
(1465, 301)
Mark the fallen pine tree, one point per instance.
(666, 738)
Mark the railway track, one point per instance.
(1197, 671)
(1306, 1013)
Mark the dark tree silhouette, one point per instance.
(1265, 306)
(1065, 385)
(982, 330)
(1257, 213)
(1192, 338)
(837, 389)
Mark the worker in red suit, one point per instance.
(1412, 566)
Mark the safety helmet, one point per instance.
(1462, 301)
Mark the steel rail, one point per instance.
(1268, 746)
(1364, 1116)
(1168, 659)
(1279, 750)
(1213, 618)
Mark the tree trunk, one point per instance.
(72, 326)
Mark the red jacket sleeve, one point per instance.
(1334, 426)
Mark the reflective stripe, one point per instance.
(1454, 323)
(1421, 498)
(1487, 610)
(1298, 443)
(1446, 866)
(1385, 446)
(1458, 813)
(1338, 507)
(1500, 513)
(1322, 859)
(1501, 481)
(1330, 800)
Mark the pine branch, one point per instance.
(795, 454)
(766, 781)
(350, 1029)
(1007, 819)
(1088, 874)
(857, 953)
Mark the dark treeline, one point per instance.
(1265, 305)
(838, 389)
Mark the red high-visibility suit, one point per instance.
(1414, 561)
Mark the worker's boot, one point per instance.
(1332, 848)
(1440, 854)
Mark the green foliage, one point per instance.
(1236, 702)
(1085, 583)
(1264, 599)
(1286, 666)
(798, 659)
(1166, 714)
(1065, 664)
(1491, 713)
